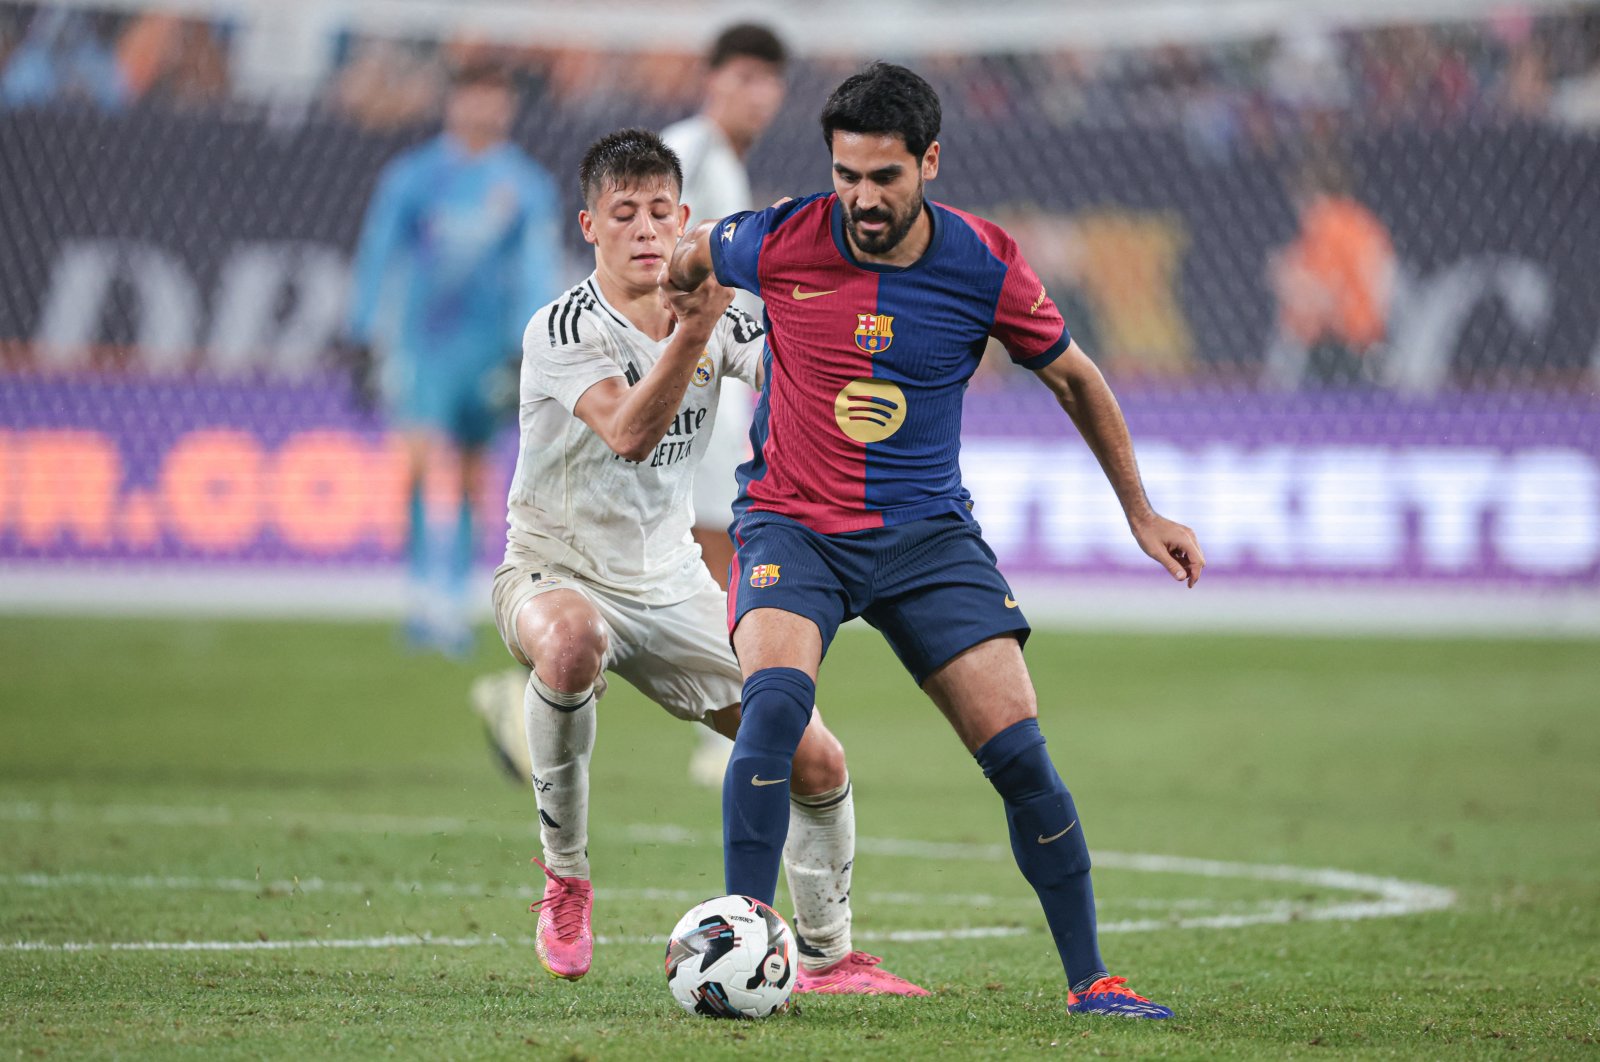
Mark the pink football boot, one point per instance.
(857, 974)
(564, 941)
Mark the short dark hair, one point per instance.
(747, 39)
(483, 74)
(625, 158)
(885, 98)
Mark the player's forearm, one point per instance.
(691, 258)
(1088, 400)
(642, 419)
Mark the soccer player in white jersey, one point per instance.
(601, 574)
(744, 89)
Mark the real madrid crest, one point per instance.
(704, 371)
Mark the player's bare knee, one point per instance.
(569, 660)
(819, 761)
(568, 647)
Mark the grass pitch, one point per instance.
(272, 839)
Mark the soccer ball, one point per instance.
(731, 957)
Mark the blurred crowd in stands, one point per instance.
(50, 54)
(1519, 63)
(1339, 272)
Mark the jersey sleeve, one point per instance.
(738, 240)
(743, 340)
(1026, 320)
(558, 363)
(736, 249)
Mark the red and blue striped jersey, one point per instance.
(859, 422)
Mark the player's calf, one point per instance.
(819, 765)
(776, 708)
(1047, 841)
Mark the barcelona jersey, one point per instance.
(859, 422)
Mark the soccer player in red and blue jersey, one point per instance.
(879, 305)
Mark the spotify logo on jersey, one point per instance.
(869, 410)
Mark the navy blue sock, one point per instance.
(755, 790)
(1047, 840)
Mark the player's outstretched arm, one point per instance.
(691, 258)
(632, 420)
(1087, 398)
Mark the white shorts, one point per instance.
(677, 655)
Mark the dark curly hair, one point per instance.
(885, 98)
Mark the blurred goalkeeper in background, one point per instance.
(744, 88)
(457, 249)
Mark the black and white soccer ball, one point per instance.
(731, 957)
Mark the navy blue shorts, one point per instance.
(931, 586)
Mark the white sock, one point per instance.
(817, 858)
(561, 740)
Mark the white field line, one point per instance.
(1394, 897)
(395, 940)
(453, 889)
(84, 881)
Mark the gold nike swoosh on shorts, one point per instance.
(1057, 836)
(801, 296)
(1011, 602)
(758, 780)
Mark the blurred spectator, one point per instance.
(63, 58)
(1313, 75)
(584, 80)
(1308, 70)
(1516, 72)
(10, 33)
(1056, 249)
(1333, 285)
(389, 84)
(1413, 74)
(1575, 100)
(1064, 86)
(175, 59)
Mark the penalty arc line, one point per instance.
(309, 886)
(1396, 897)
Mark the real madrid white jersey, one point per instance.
(574, 504)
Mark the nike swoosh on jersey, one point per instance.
(1011, 602)
(801, 296)
(758, 780)
(1057, 836)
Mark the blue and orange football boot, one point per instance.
(1110, 995)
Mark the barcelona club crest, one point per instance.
(763, 575)
(874, 332)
